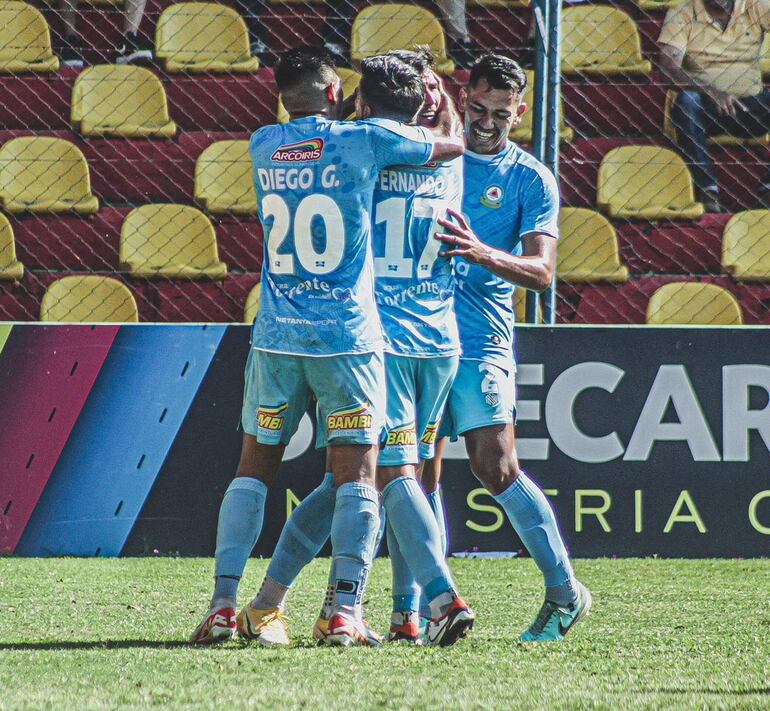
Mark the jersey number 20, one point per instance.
(308, 208)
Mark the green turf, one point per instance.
(87, 634)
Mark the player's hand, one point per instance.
(461, 239)
(727, 104)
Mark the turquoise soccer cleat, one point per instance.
(553, 622)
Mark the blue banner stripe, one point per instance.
(121, 440)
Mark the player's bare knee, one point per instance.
(385, 475)
(352, 463)
(259, 461)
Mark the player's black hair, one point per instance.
(421, 58)
(391, 87)
(499, 72)
(303, 65)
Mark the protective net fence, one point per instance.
(126, 187)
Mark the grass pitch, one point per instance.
(93, 634)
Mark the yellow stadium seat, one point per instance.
(657, 5)
(588, 248)
(203, 37)
(520, 306)
(746, 246)
(172, 241)
(350, 79)
(598, 39)
(690, 302)
(523, 132)
(43, 174)
(25, 41)
(381, 28)
(11, 269)
(521, 4)
(253, 300)
(646, 183)
(88, 299)
(128, 101)
(721, 140)
(224, 179)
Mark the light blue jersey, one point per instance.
(315, 179)
(414, 284)
(507, 195)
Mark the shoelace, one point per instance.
(543, 617)
(275, 615)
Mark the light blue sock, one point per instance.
(239, 526)
(417, 534)
(355, 526)
(405, 590)
(532, 517)
(436, 503)
(304, 534)
(380, 533)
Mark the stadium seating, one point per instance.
(588, 248)
(127, 101)
(380, 28)
(43, 174)
(253, 301)
(598, 39)
(693, 303)
(224, 179)
(88, 299)
(350, 79)
(722, 139)
(646, 183)
(25, 41)
(11, 269)
(746, 246)
(172, 241)
(503, 3)
(203, 37)
(765, 58)
(523, 132)
(657, 5)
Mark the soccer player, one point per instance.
(414, 286)
(507, 238)
(317, 332)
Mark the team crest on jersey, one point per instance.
(492, 196)
(349, 419)
(271, 418)
(299, 152)
(429, 436)
(402, 436)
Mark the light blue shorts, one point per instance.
(417, 390)
(350, 390)
(483, 394)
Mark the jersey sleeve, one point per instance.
(540, 205)
(396, 143)
(676, 28)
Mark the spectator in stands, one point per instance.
(710, 53)
(132, 48)
(339, 18)
(461, 48)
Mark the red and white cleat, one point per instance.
(453, 625)
(345, 630)
(217, 626)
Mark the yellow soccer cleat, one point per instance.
(268, 627)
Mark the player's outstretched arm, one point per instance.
(534, 269)
(449, 141)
